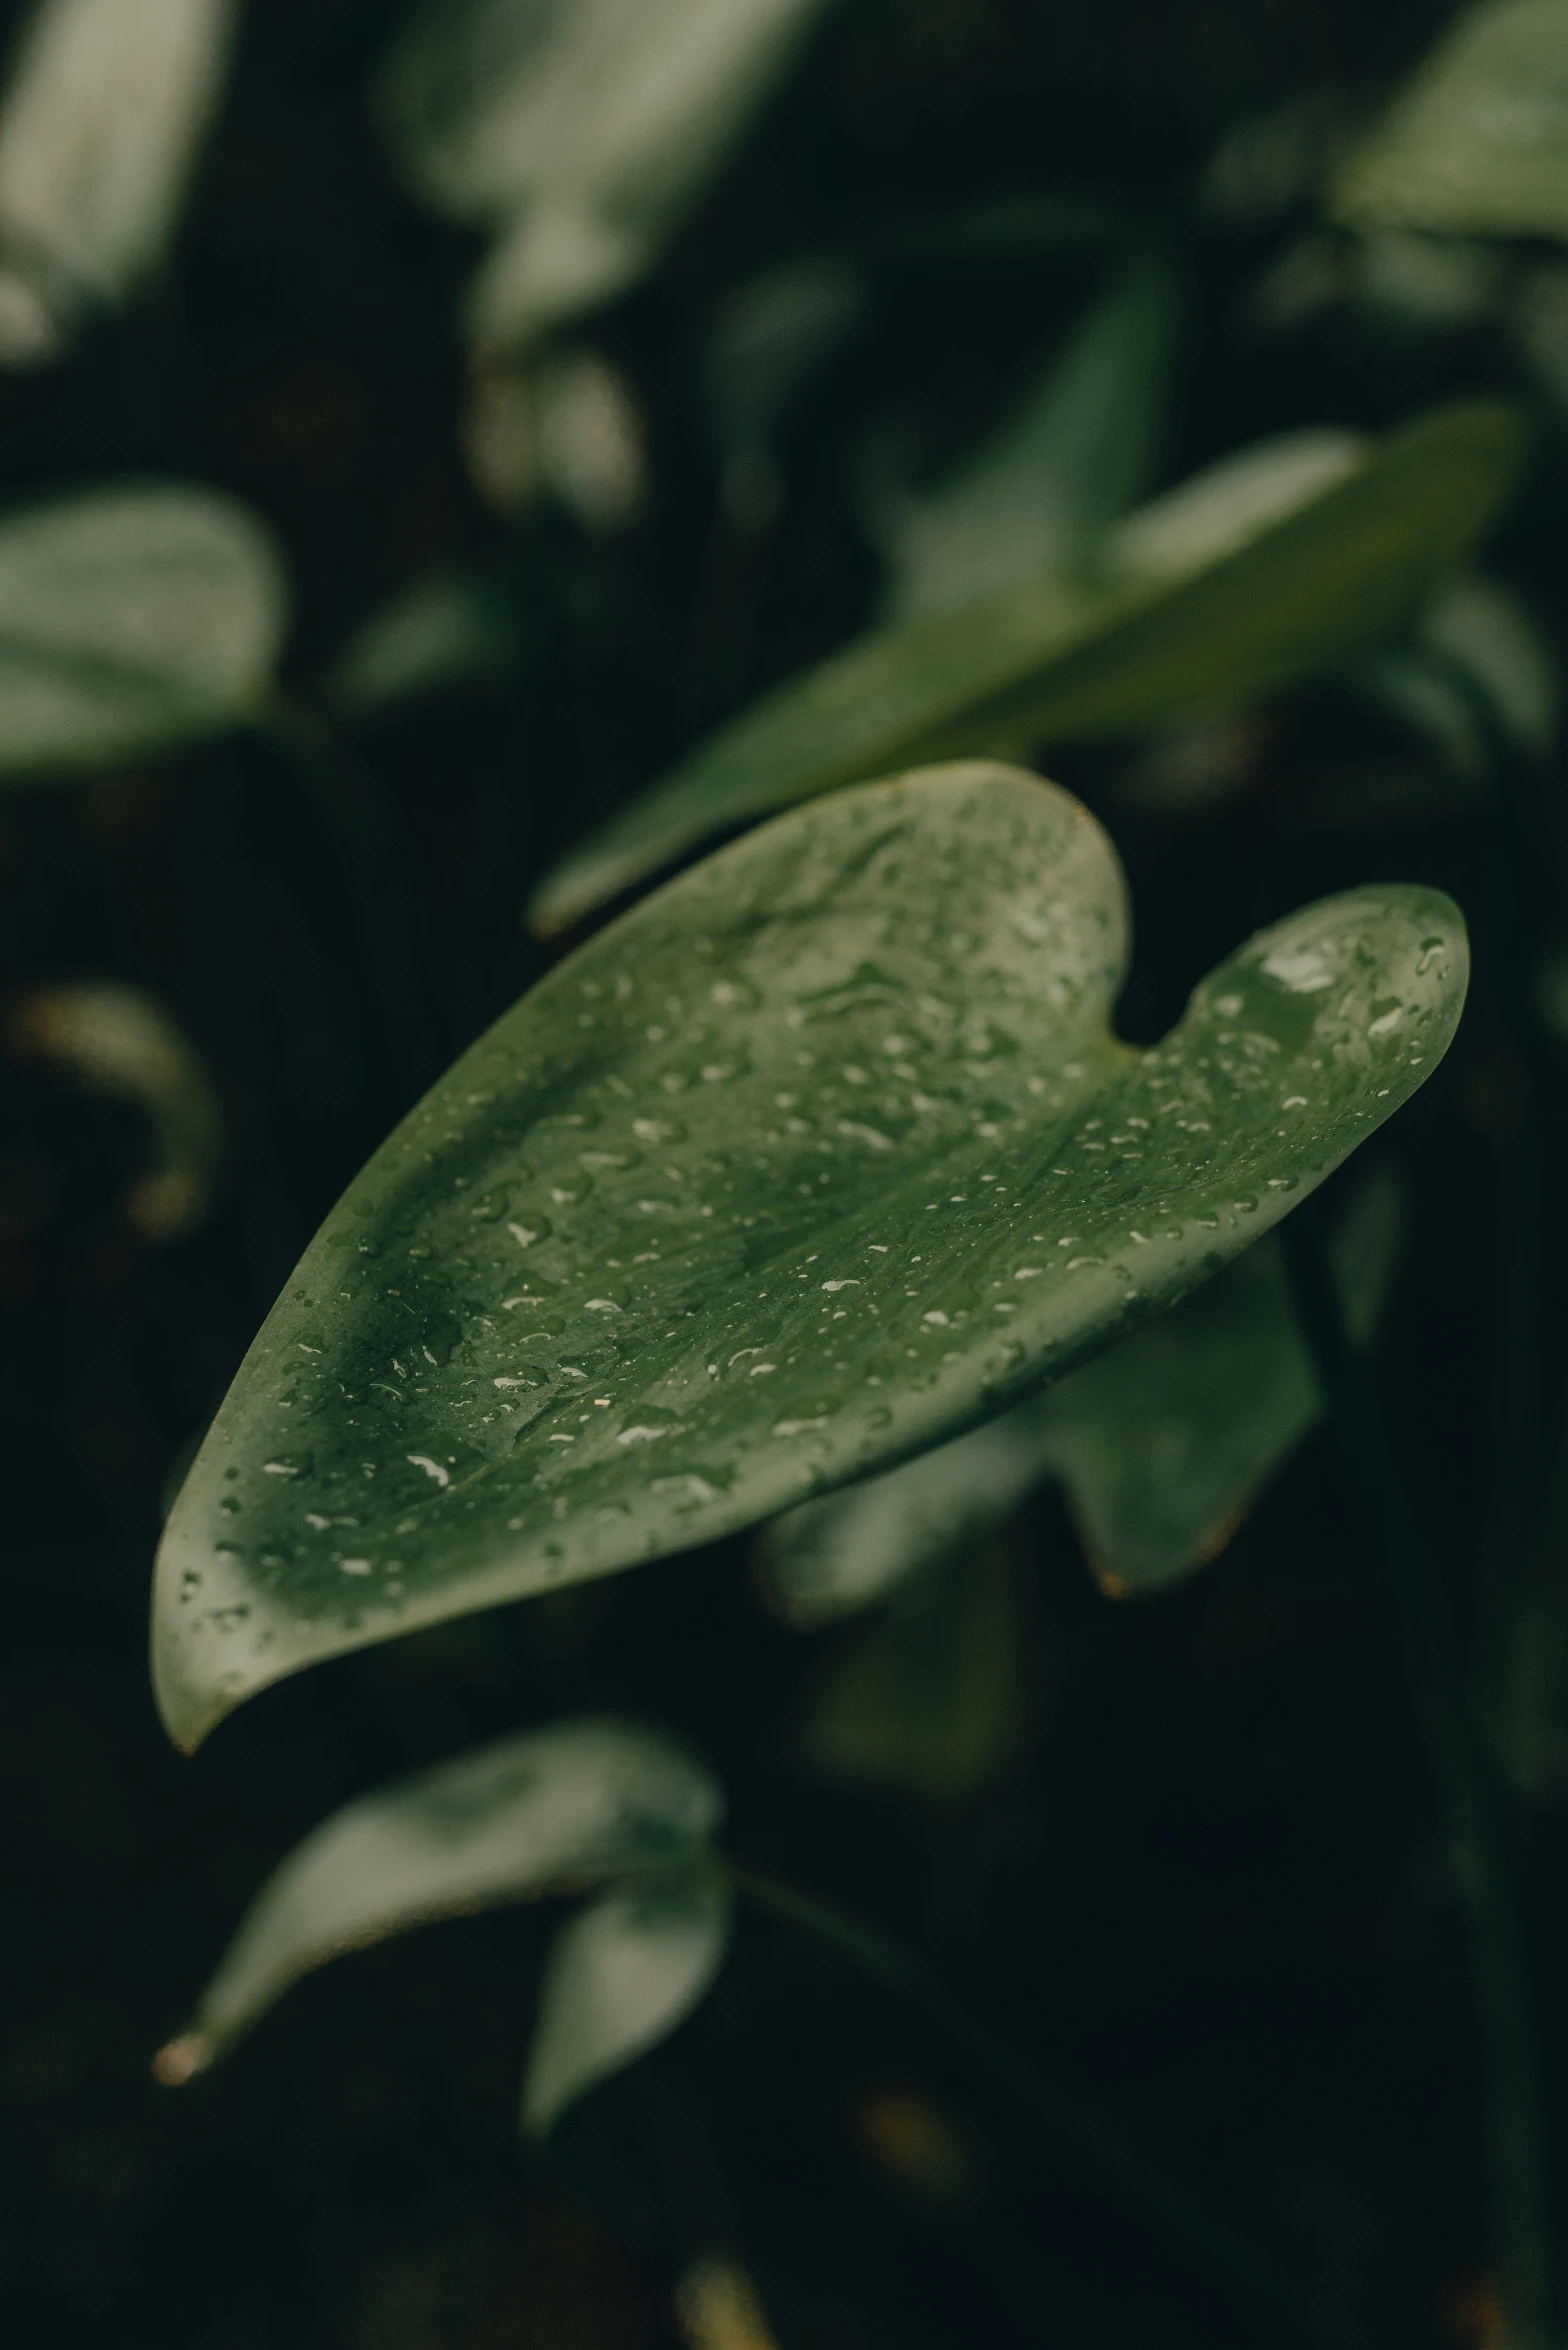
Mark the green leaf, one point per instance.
(822, 1154)
(934, 1695)
(1041, 494)
(1281, 563)
(447, 631)
(581, 1802)
(99, 127)
(1475, 143)
(1163, 1442)
(119, 1042)
(622, 1975)
(581, 130)
(131, 619)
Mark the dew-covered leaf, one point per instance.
(99, 125)
(620, 1977)
(1477, 141)
(1162, 1442)
(933, 1695)
(550, 1809)
(578, 130)
(1042, 492)
(131, 619)
(117, 1041)
(821, 1154)
(1282, 562)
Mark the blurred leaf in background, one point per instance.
(578, 132)
(101, 121)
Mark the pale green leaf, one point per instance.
(117, 1041)
(934, 1695)
(620, 1978)
(824, 1152)
(99, 126)
(1163, 1442)
(131, 619)
(1280, 563)
(1042, 492)
(579, 130)
(1477, 142)
(534, 1814)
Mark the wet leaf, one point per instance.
(1477, 141)
(581, 1802)
(1042, 492)
(1278, 564)
(620, 1978)
(120, 1042)
(131, 619)
(820, 1155)
(100, 123)
(579, 130)
(1163, 1442)
(934, 1694)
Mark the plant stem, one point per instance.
(1095, 2140)
(1478, 1813)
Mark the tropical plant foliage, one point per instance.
(796, 714)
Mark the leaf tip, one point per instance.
(179, 2060)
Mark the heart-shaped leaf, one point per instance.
(1474, 143)
(1277, 565)
(622, 1975)
(584, 1801)
(99, 127)
(822, 1153)
(1162, 1442)
(131, 619)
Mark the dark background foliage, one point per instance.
(1214, 1894)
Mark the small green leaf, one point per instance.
(99, 127)
(823, 1153)
(534, 1814)
(131, 619)
(1281, 563)
(620, 1978)
(1163, 1442)
(1477, 142)
(447, 631)
(1041, 494)
(934, 1695)
(580, 130)
(119, 1042)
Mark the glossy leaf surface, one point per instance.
(1162, 1442)
(1477, 142)
(528, 1815)
(1042, 492)
(823, 1153)
(581, 129)
(131, 619)
(1279, 563)
(621, 1976)
(98, 131)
